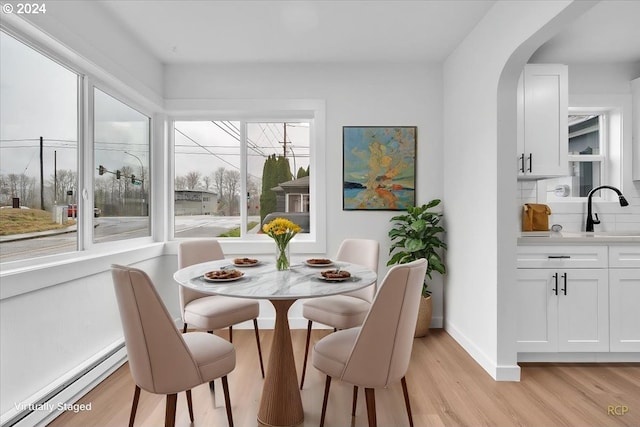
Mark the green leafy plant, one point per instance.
(417, 235)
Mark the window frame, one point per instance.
(89, 159)
(89, 75)
(616, 111)
(253, 111)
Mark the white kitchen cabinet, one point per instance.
(543, 94)
(624, 297)
(563, 310)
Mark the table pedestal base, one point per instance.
(281, 404)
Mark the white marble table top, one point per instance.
(263, 281)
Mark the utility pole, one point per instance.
(41, 175)
(284, 144)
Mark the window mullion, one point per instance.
(243, 179)
(84, 195)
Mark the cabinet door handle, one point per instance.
(522, 163)
(530, 161)
(559, 256)
(555, 288)
(564, 278)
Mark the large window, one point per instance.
(233, 175)
(48, 208)
(38, 153)
(121, 193)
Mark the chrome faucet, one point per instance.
(590, 220)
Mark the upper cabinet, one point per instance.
(543, 96)
(635, 146)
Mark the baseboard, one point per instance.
(580, 357)
(44, 406)
(497, 372)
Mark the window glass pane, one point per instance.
(207, 178)
(585, 176)
(121, 195)
(278, 168)
(584, 134)
(38, 152)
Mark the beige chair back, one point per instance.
(159, 359)
(362, 252)
(381, 353)
(194, 252)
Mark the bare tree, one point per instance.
(66, 180)
(254, 189)
(218, 187)
(231, 190)
(218, 181)
(192, 180)
(181, 183)
(206, 180)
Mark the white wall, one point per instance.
(50, 333)
(366, 94)
(480, 78)
(91, 34)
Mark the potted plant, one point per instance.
(417, 235)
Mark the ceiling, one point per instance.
(298, 31)
(608, 32)
(261, 31)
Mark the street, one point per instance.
(116, 228)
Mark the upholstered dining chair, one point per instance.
(161, 359)
(346, 310)
(211, 312)
(378, 353)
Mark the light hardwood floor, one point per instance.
(446, 386)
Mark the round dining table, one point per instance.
(281, 403)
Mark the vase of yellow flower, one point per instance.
(281, 230)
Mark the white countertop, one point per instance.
(578, 237)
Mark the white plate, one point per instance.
(335, 279)
(248, 265)
(330, 263)
(231, 279)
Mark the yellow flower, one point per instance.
(281, 230)
(281, 226)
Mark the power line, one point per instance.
(206, 149)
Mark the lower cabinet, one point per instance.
(624, 296)
(563, 310)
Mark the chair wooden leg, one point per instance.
(255, 328)
(170, 412)
(212, 386)
(227, 400)
(134, 406)
(184, 328)
(190, 405)
(230, 333)
(406, 400)
(306, 353)
(355, 401)
(327, 384)
(371, 406)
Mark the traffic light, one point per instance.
(133, 179)
(101, 170)
(118, 174)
